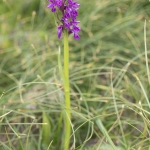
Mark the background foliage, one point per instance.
(108, 72)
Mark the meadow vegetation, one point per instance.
(109, 76)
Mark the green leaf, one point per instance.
(46, 130)
(105, 133)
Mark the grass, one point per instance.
(109, 73)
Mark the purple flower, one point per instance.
(52, 6)
(55, 3)
(76, 36)
(60, 28)
(69, 11)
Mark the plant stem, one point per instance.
(67, 93)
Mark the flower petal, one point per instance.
(60, 28)
(76, 36)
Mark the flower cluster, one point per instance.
(69, 11)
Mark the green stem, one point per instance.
(67, 93)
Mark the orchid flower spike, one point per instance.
(69, 13)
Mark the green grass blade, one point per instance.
(46, 130)
(105, 133)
